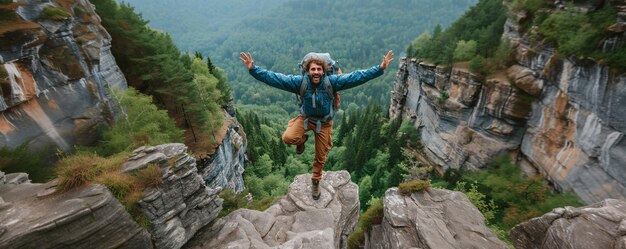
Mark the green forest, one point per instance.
(357, 33)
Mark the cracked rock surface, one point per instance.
(600, 225)
(296, 221)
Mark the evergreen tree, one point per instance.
(155, 66)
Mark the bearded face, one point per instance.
(315, 72)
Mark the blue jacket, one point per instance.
(291, 83)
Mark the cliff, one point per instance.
(562, 116)
(56, 69)
(224, 169)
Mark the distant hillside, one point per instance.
(279, 33)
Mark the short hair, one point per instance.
(317, 61)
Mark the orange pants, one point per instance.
(294, 135)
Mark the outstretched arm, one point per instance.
(388, 58)
(347, 81)
(290, 83)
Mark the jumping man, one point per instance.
(316, 105)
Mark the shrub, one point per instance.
(580, 34)
(77, 170)
(54, 13)
(477, 64)
(518, 197)
(443, 96)
(118, 183)
(149, 176)
(534, 5)
(373, 215)
(87, 167)
(409, 133)
(407, 188)
(479, 200)
(142, 123)
(21, 159)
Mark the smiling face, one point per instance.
(316, 72)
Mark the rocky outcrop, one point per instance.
(429, 219)
(601, 225)
(224, 169)
(564, 115)
(56, 67)
(296, 221)
(465, 120)
(182, 204)
(34, 216)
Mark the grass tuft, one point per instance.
(54, 13)
(85, 168)
(407, 188)
(149, 176)
(78, 170)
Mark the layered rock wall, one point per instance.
(465, 120)
(224, 169)
(565, 116)
(182, 203)
(54, 74)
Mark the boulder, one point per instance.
(600, 225)
(34, 216)
(430, 219)
(295, 221)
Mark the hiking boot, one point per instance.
(300, 147)
(315, 189)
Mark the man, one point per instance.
(316, 104)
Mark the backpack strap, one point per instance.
(328, 87)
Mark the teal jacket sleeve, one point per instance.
(290, 83)
(347, 81)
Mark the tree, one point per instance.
(141, 124)
(465, 50)
(262, 167)
(419, 45)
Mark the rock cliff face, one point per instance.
(56, 67)
(434, 218)
(296, 221)
(565, 116)
(182, 204)
(224, 169)
(33, 216)
(601, 225)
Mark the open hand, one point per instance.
(388, 58)
(247, 59)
